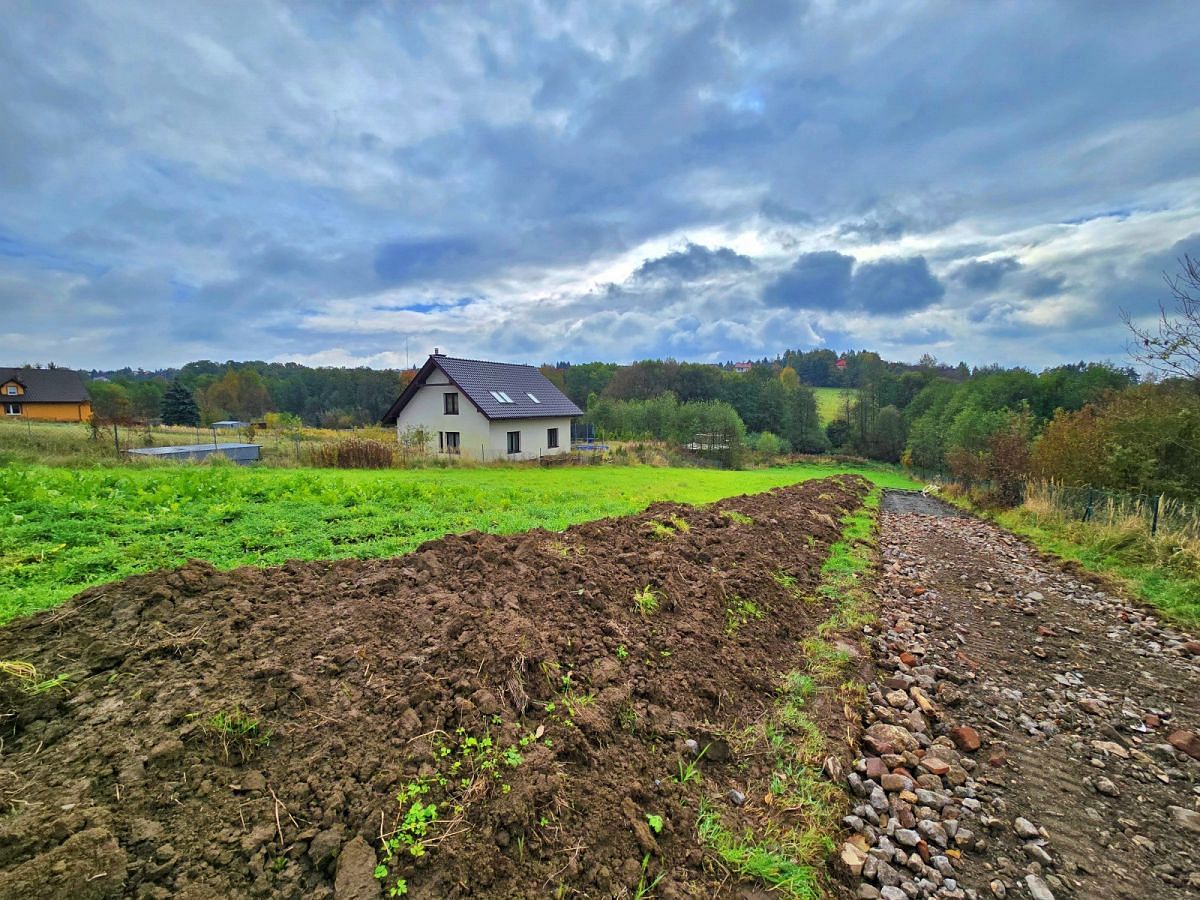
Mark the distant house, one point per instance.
(743, 367)
(485, 410)
(46, 395)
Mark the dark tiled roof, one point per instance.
(477, 379)
(47, 385)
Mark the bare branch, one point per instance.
(1173, 349)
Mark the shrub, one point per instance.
(353, 453)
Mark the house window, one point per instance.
(450, 404)
(452, 442)
(12, 409)
(11, 390)
(501, 397)
(551, 438)
(531, 397)
(514, 442)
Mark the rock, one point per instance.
(894, 783)
(867, 892)
(1186, 742)
(1187, 819)
(893, 893)
(1025, 829)
(1107, 788)
(875, 768)
(1192, 647)
(355, 879)
(936, 765)
(1037, 888)
(852, 858)
(884, 738)
(965, 738)
(907, 838)
(1091, 706)
(878, 799)
(737, 798)
(997, 888)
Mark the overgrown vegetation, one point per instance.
(1162, 569)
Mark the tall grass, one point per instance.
(1163, 569)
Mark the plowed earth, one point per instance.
(246, 733)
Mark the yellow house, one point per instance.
(46, 395)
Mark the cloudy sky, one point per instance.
(324, 182)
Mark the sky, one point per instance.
(355, 183)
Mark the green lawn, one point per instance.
(831, 404)
(64, 529)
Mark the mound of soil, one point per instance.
(247, 733)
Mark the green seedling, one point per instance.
(645, 601)
(655, 822)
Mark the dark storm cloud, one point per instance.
(693, 263)
(829, 280)
(985, 275)
(815, 281)
(895, 285)
(357, 157)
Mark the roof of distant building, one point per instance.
(47, 385)
(498, 390)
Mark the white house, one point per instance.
(485, 410)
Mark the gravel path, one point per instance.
(1032, 736)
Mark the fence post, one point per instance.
(1087, 513)
(1154, 516)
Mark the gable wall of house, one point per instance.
(5, 388)
(426, 410)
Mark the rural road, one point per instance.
(1033, 736)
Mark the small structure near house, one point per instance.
(230, 423)
(44, 395)
(484, 410)
(743, 367)
(238, 453)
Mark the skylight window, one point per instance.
(500, 397)
(531, 397)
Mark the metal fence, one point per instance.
(1089, 504)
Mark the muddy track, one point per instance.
(1077, 773)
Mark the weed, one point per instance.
(661, 531)
(644, 887)
(646, 601)
(784, 580)
(30, 681)
(622, 653)
(656, 822)
(680, 524)
(736, 517)
(688, 772)
(627, 718)
(748, 858)
(739, 612)
(236, 731)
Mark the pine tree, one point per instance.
(179, 406)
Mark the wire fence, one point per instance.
(1088, 504)
(1159, 512)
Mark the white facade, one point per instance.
(478, 437)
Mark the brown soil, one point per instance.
(366, 677)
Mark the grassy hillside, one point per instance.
(64, 529)
(830, 403)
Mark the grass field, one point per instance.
(830, 403)
(63, 529)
